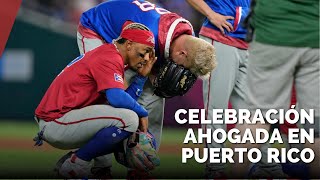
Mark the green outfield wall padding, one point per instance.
(51, 51)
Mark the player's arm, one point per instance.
(216, 19)
(136, 87)
(120, 99)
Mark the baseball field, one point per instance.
(19, 158)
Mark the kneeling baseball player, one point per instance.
(87, 107)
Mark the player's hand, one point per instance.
(143, 124)
(221, 22)
(148, 63)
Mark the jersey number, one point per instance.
(147, 6)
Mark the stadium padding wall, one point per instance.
(52, 51)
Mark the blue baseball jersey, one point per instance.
(108, 18)
(239, 9)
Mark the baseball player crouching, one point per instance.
(178, 52)
(86, 107)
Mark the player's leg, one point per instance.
(86, 44)
(284, 127)
(153, 104)
(216, 94)
(155, 107)
(269, 82)
(237, 100)
(102, 164)
(77, 126)
(308, 96)
(94, 129)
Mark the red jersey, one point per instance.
(82, 82)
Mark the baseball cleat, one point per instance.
(70, 166)
(61, 161)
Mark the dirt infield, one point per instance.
(28, 144)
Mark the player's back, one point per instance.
(76, 86)
(239, 9)
(108, 18)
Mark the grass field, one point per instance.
(20, 159)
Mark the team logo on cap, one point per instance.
(151, 39)
(118, 78)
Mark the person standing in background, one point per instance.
(222, 28)
(284, 50)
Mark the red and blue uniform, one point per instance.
(103, 23)
(81, 83)
(78, 109)
(106, 21)
(239, 9)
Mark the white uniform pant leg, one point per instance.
(85, 45)
(228, 82)
(218, 88)
(77, 127)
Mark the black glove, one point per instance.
(173, 80)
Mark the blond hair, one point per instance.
(202, 56)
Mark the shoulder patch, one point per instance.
(118, 77)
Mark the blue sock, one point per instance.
(104, 142)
